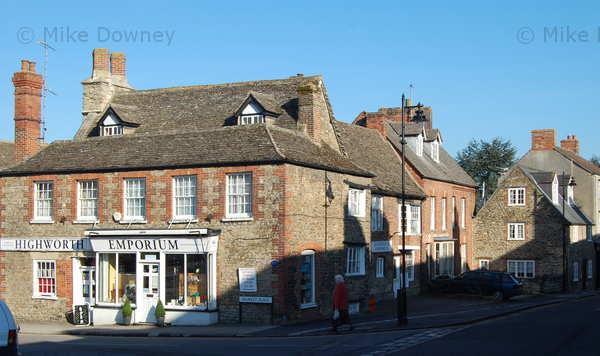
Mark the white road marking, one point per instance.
(411, 341)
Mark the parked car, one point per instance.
(501, 285)
(9, 331)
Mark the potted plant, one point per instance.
(159, 312)
(126, 312)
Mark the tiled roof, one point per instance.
(446, 170)
(410, 129)
(248, 144)
(370, 151)
(203, 107)
(7, 154)
(578, 160)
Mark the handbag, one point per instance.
(336, 314)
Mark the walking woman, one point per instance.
(340, 304)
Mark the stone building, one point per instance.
(229, 202)
(531, 229)
(446, 214)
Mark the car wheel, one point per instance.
(498, 296)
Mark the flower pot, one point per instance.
(126, 320)
(160, 321)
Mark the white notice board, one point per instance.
(247, 278)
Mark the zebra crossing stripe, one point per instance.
(411, 341)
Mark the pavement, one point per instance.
(425, 312)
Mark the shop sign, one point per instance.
(247, 277)
(381, 246)
(256, 300)
(201, 245)
(44, 244)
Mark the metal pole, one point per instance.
(401, 296)
(564, 237)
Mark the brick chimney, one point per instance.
(543, 139)
(571, 144)
(309, 110)
(28, 107)
(108, 77)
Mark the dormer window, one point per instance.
(435, 151)
(570, 195)
(419, 146)
(251, 119)
(111, 126)
(555, 190)
(257, 108)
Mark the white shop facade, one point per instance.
(175, 266)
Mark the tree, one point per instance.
(485, 162)
(595, 160)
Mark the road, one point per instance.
(564, 329)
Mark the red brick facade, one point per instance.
(28, 95)
(543, 139)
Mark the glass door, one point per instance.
(150, 293)
(88, 283)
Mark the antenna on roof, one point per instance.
(410, 91)
(45, 90)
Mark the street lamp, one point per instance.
(401, 307)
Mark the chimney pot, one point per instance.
(571, 144)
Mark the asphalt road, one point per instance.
(564, 329)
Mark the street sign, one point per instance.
(256, 300)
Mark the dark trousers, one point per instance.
(343, 319)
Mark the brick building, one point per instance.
(205, 197)
(446, 214)
(530, 227)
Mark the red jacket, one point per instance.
(340, 297)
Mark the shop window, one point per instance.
(116, 277)
(186, 280)
(308, 278)
(44, 279)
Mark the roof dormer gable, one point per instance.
(257, 108)
(111, 124)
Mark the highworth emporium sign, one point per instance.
(117, 241)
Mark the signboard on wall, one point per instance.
(381, 246)
(247, 277)
(116, 244)
(256, 300)
(45, 244)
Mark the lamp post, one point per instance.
(401, 307)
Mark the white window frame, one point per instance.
(380, 267)
(355, 261)
(516, 196)
(356, 202)
(463, 212)
(516, 231)
(376, 213)
(314, 278)
(484, 264)
(127, 200)
(463, 258)
(444, 213)
(521, 269)
(112, 130)
(432, 214)
(413, 214)
(590, 271)
(419, 146)
(251, 119)
(50, 274)
(48, 199)
(182, 193)
(94, 190)
(243, 189)
(435, 151)
(576, 272)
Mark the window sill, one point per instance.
(44, 297)
(113, 305)
(133, 221)
(355, 274)
(515, 239)
(237, 219)
(308, 306)
(41, 221)
(86, 221)
(183, 220)
(184, 308)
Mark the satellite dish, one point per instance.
(117, 216)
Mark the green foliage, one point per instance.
(595, 160)
(159, 312)
(487, 161)
(126, 310)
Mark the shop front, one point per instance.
(176, 267)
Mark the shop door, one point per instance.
(150, 293)
(398, 271)
(88, 282)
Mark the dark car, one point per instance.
(501, 285)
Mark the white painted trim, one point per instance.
(237, 219)
(38, 221)
(146, 232)
(409, 247)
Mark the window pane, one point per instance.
(239, 191)
(197, 280)
(174, 280)
(127, 268)
(107, 278)
(308, 279)
(135, 197)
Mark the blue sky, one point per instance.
(476, 63)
